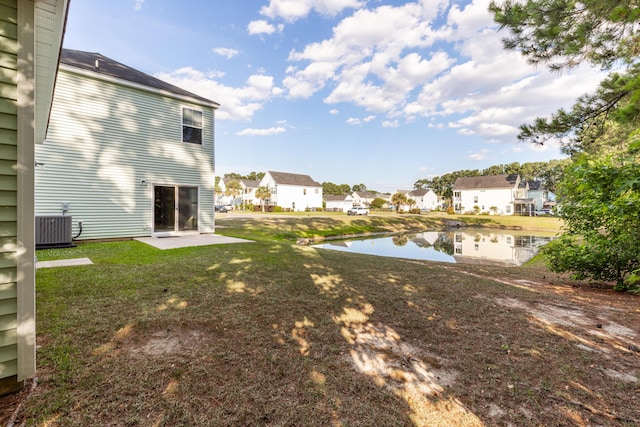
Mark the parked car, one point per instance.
(543, 211)
(221, 208)
(358, 210)
(229, 207)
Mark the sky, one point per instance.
(374, 92)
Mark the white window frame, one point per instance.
(201, 127)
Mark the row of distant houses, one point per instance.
(93, 148)
(498, 195)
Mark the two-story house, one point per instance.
(292, 191)
(425, 199)
(126, 154)
(497, 194)
(542, 198)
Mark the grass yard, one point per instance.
(272, 333)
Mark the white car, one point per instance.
(358, 210)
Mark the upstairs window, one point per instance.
(191, 126)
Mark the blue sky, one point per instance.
(377, 92)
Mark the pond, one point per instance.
(471, 245)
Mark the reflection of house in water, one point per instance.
(481, 247)
(342, 243)
(426, 239)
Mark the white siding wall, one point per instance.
(103, 140)
(293, 196)
(500, 198)
(428, 201)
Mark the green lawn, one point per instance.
(272, 333)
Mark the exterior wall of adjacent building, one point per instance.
(8, 189)
(108, 144)
(28, 30)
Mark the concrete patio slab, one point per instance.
(175, 242)
(63, 262)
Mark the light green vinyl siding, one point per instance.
(8, 187)
(103, 140)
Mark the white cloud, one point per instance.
(263, 27)
(333, 112)
(427, 59)
(225, 51)
(390, 124)
(368, 119)
(479, 156)
(353, 121)
(261, 132)
(138, 5)
(292, 10)
(237, 103)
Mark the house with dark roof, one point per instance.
(126, 154)
(497, 194)
(293, 192)
(31, 34)
(541, 196)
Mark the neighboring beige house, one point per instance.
(338, 203)
(497, 194)
(292, 191)
(31, 34)
(126, 154)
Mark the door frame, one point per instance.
(176, 229)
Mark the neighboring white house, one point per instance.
(292, 191)
(498, 194)
(31, 34)
(126, 154)
(425, 199)
(363, 198)
(249, 187)
(338, 203)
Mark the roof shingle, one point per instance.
(95, 62)
(494, 181)
(283, 178)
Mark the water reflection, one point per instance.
(477, 246)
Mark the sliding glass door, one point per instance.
(175, 208)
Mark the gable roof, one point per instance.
(283, 178)
(250, 183)
(419, 193)
(478, 182)
(365, 194)
(97, 63)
